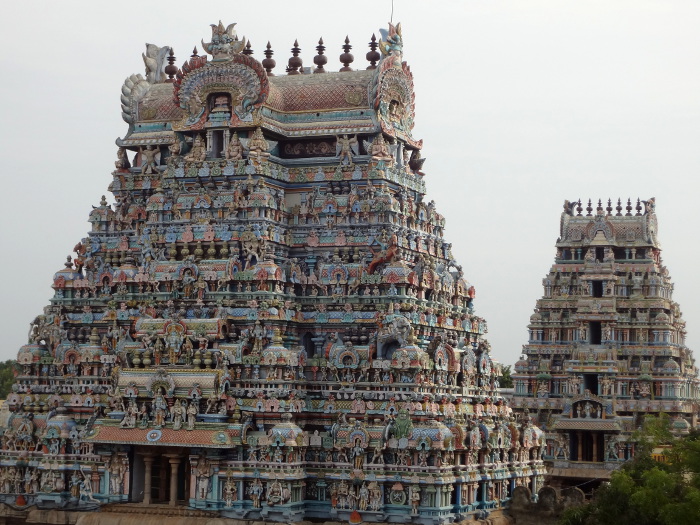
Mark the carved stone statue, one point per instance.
(199, 151)
(234, 150)
(258, 146)
(192, 411)
(154, 60)
(344, 147)
(122, 162)
(148, 160)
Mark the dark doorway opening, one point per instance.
(590, 382)
(217, 144)
(596, 332)
(597, 288)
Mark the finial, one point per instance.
(320, 59)
(579, 208)
(194, 52)
(628, 207)
(295, 62)
(103, 201)
(589, 208)
(599, 209)
(268, 62)
(346, 58)
(171, 68)
(373, 55)
(248, 50)
(638, 207)
(609, 208)
(619, 208)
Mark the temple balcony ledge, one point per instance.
(564, 463)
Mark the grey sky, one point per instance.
(521, 104)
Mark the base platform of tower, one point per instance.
(268, 323)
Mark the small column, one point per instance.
(580, 446)
(148, 464)
(595, 447)
(163, 476)
(95, 485)
(174, 468)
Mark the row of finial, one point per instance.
(609, 208)
(295, 64)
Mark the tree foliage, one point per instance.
(649, 492)
(7, 377)
(506, 381)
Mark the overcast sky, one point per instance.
(521, 104)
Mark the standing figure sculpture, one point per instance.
(149, 165)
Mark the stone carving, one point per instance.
(602, 368)
(224, 42)
(154, 60)
(243, 293)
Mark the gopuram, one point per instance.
(606, 343)
(267, 324)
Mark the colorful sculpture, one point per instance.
(607, 342)
(260, 311)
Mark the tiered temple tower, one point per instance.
(607, 342)
(268, 324)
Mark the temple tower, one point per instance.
(268, 322)
(606, 342)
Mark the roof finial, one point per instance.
(373, 55)
(346, 58)
(589, 208)
(171, 68)
(619, 208)
(268, 62)
(295, 62)
(638, 207)
(194, 52)
(320, 59)
(248, 50)
(628, 207)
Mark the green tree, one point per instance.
(648, 492)
(7, 377)
(506, 380)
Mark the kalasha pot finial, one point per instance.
(295, 63)
(373, 55)
(171, 68)
(346, 58)
(320, 59)
(269, 62)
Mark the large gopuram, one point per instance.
(267, 324)
(606, 343)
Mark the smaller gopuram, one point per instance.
(606, 342)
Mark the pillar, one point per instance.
(148, 464)
(174, 468)
(163, 477)
(595, 446)
(95, 485)
(579, 457)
